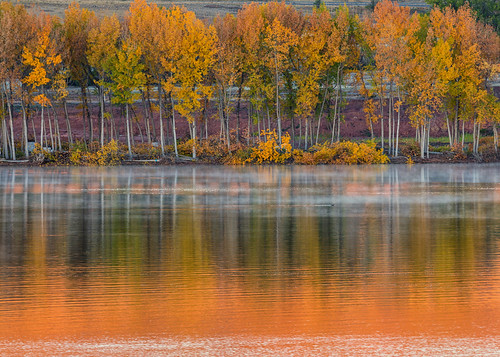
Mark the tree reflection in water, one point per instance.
(202, 251)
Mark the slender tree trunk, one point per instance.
(25, 128)
(278, 116)
(306, 135)
(162, 135)
(321, 112)
(101, 104)
(382, 119)
(146, 117)
(335, 112)
(128, 132)
(341, 94)
(238, 109)
(268, 117)
(5, 150)
(495, 137)
(428, 136)
(173, 127)
(68, 124)
(422, 141)
(88, 106)
(249, 125)
(300, 131)
(463, 133)
(42, 124)
(5, 140)
(220, 113)
(476, 136)
(113, 123)
(83, 96)
(399, 122)
(57, 129)
(52, 143)
(11, 124)
(31, 116)
(456, 134)
(193, 137)
(389, 120)
(450, 135)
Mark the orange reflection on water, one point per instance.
(122, 260)
(218, 303)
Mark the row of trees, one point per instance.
(289, 67)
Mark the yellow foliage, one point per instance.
(234, 160)
(208, 148)
(147, 151)
(40, 58)
(346, 152)
(107, 155)
(41, 154)
(269, 150)
(42, 100)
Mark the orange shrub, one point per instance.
(269, 151)
(206, 148)
(147, 151)
(345, 152)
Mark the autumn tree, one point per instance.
(18, 29)
(268, 33)
(311, 62)
(426, 86)
(151, 30)
(127, 77)
(468, 72)
(189, 71)
(278, 40)
(102, 46)
(393, 30)
(41, 59)
(343, 53)
(250, 27)
(227, 68)
(488, 11)
(76, 28)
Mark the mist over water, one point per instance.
(235, 260)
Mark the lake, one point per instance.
(270, 260)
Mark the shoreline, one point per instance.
(441, 158)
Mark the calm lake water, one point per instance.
(381, 260)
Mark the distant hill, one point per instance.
(203, 9)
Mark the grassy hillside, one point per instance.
(203, 9)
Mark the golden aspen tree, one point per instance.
(102, 45)
(311, 62)
(17, 30)
(473, 59)
(250, 27)
(427, 85)
(76, 27)
(127, 77)
(41, 59)
(488, 42)
(151, 28)
(394, 28)
(279, 41)
(60, 94)
(293, 20)
(227, 68)
(343, 52)
(189, 72)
